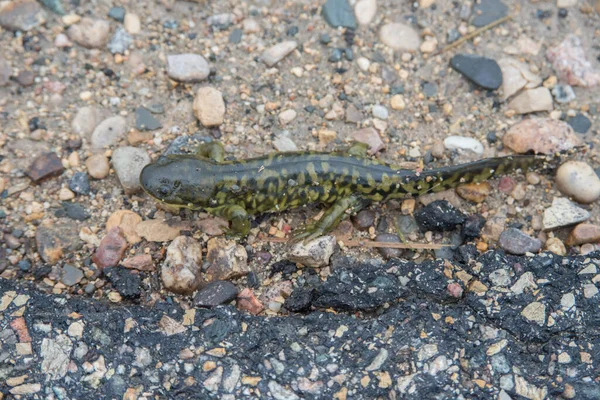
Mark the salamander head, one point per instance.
(181, 181)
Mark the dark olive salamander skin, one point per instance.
(288, 180)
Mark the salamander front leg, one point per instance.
(332, 217)
(356, 149)
(236, 215)
(212, 150)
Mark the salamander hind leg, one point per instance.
(236, 215)
(211, 150)
(332, 217)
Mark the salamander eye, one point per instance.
(164, 190)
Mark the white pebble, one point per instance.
(463, 143)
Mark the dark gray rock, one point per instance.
(580, 123)
(80, 183)
(145, 121)
(388, 252)
(71, 275)
(117, 13)
(339, 13)
(236, 36)
(74, 211)
(439, 215)
(215, 293)
(125, 281)
(488, 11)
(482, 71)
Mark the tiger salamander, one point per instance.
(346, 181)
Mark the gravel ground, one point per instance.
(106, 294)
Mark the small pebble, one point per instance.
(475, 192)
(379, 111)
(117, 13)
(132, 23)
(584, 233)
(482, 71)
(540, 135)
(463, 143)
(278, 52)
(365, 11)
(287, 116)
(488, 11)
(438, 216)
(563, 94)
(215, 293)
(209, 106)
(145, 121)
(80, 184)
(580, 123)
(97, 166)
(181, 271)
(90, 33)
(532, 100)
(235, 36)
(399, 37)
(339, 13)
(43, 167)
(517, 242)
(111, 250)
(187, 67)
(108, 132)
(578, 180)
(128, 162)
(556, 246)
(388, 252)
(563, 213)
(371, 138)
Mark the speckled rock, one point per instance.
(21, 15)
(128, 162)
(315, 253)
(400, 37)
(53, 241)
(556, 246)
(181, 272)
(187, 67)
(108, 132)
(570, 63)
(578, 180)
(540, 135)
(226, 260)
(120, 41)
(90, 33)
(532, 100)
(517, 242)
(563, 213)
(209, 106)
(278, 52)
